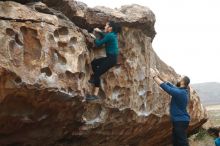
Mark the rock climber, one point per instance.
(178, 107)
(217, 140)
(101, 65)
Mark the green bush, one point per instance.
(201, 134)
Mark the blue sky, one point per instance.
(188, 34)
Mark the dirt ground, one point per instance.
(203, 138)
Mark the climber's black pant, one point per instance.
(180, 133)
(102, 65)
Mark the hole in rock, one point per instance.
(116, 92)
(63, 31)
(69, 74)
(70, 89)
(81, 61)
(73, 40)
(102, 94)
(51, 38)
(18, 80)
(142, 108)
(32, 45)
(11, 45)
(16, 53)
(46, 70)
(82, 23)
(18, 41)
(149, 93)
(56, 34)
(77, 75)
(30, 31)
(72, 49)
(60, 58)
(15, 77)
(81, 75)
(62, 44)
(10, 32)
(87, 67)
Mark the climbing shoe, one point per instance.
(91, 97)
(91, 80)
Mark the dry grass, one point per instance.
(214, 114)
(203, 138)
(207, 141)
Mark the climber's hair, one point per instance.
(186, 81)
(116, 27)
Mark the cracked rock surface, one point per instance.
(45, 56)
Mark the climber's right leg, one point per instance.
(95, 65)
(97, 83)
(104, 64)
(180, 133)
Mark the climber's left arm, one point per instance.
(155, 75)
(158, 80)
(172, 90)
(106, 39)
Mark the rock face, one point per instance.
(134, 16)
(45, 60)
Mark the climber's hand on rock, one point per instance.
(156, 70)
(92, 35)
(164, 77)
(97, 30)
(153, 73)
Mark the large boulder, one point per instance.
(135, 16)
(45, 60)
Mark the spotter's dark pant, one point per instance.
(102, 65)
(180, 133)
